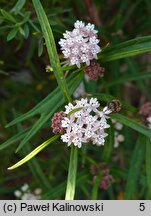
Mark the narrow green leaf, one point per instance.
(71, 181)
(18, 6)
(7, 16)
(14, 139)
(55, 104)
(26, 30)
(40, 48)
(34, 152)
(135, 168)
(45, 105)
(12, 34)
(36, 169)
(129, 48)
(22, 32)
(132, 124)
(34, 165)
(125, 44)
(34, 129)
(52, 98)
(148, 164)
(51, 48)
(129, 78)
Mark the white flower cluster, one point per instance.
(81, 44)
(25, 194)
(86, 124)
(118, 137)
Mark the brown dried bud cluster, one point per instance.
(106, 179)
(145, 112)
(145, 109)
(56, 122)
(94, 70)
(106, 182)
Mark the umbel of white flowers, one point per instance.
(26, 194)
(81, 44)
(85, 125)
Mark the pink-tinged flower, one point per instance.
(85, 125)
(145, 113)
(81, 44)
(94, 70)
(57, 122)
(145, 109)
(106, 182)
(106, 179)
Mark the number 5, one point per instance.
(142, 206)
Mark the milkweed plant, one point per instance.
(85, 122)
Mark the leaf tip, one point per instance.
(10, 168)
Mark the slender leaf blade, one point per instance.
(18, 6)
(135, 168)
(132, 124)
(128, 78)
(52, 98)
(126, 49)
(14, 139)
(12, 34)
(36, 169)
(34, 152)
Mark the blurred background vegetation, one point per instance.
(24, 82)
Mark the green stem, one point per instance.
(71, 181)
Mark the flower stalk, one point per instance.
(71, 180)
